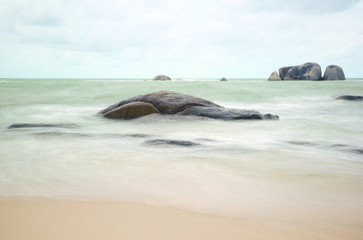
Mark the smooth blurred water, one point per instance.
(311, 156)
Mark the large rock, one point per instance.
(334, 72)
(223, 79)
(307, 71)
(167, 102)
(162, 77)
(274, 77)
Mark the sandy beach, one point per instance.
(40, 218)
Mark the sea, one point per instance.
(308, 165)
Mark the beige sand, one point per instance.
(39, 218)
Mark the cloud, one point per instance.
(141, 38)
(306, 6)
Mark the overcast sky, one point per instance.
(179, 38)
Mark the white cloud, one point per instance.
(141, 38)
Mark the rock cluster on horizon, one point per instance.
(167, 102)
(308, 71)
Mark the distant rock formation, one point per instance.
(223, 79)
(161, 78)
(334, 72)
(308, 71)
(274, 77)
(167, 102)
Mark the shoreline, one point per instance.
(43, 218)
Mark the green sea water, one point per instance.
(310, 157)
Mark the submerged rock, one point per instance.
(225, 113)
(302, 143)
(167, 102)
(43, 125)
(92, 135)
(350, 98)
(325, 145)
(161, 77)
(334, 72)
(306, 71)
(274, 77)
(61, 134)
(163, 142)
(360, 151)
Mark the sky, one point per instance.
(178, 38)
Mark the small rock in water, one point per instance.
(163, 142)
(360, 151)
(350, 98)
(302, 143)
(43, 125)
(223, 79)
(61, 134)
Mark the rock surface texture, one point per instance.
(161, 78)
(167, 102)
(306, 71)
(274, 77)
(334, 72)
(132, 110)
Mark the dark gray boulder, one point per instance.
(334, 72)
(274, 77)
(350, 98)
(306, 71)
(223, 79)
(167, 102)
(161, 78)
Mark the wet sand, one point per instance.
(41, 218)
